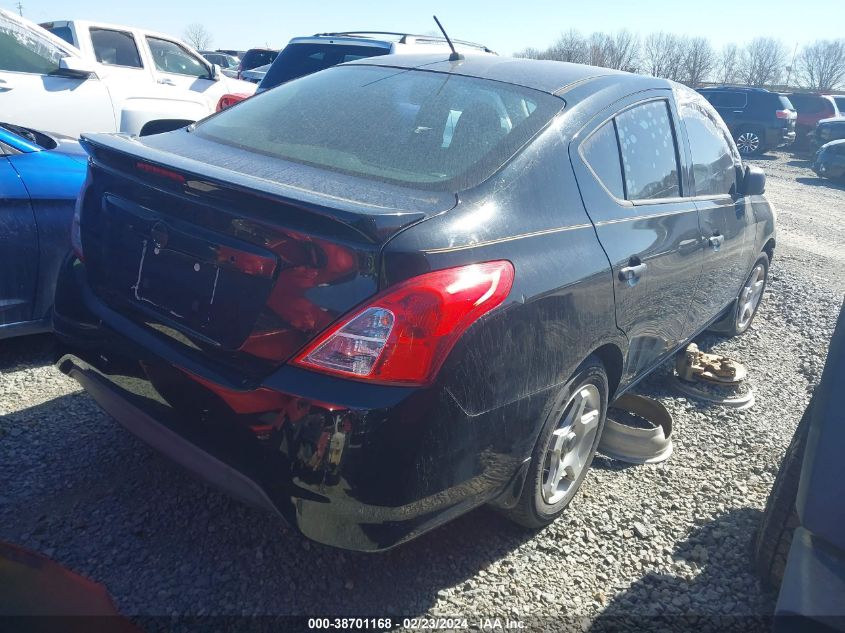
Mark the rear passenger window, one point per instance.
(712, 159)
(727, 99)
(601, 151)
(649, 157)
(116, 48)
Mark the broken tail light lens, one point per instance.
(404, 334)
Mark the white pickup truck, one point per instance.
(78, 76)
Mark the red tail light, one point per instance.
(230, 99)
(404, 334)
(784, 114)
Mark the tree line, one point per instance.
(764, 61)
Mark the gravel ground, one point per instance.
(663, 539)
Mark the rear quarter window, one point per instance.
(601, 153)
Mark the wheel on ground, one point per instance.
(742, 313)
(780, 518)
(749, 142)
(565, 447)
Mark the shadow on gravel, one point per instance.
(762, 157)
(97, 500)
(710, 583)
(26, 351)
(822, 182)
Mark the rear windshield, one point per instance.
(255, 58)
(410, 127)
(298, 60)
(786, 103)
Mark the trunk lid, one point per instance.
(237, 257)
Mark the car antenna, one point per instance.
(455, 56)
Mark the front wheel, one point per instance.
(565, 448)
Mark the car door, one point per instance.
(35, 92)
(627, 167)
(724, 216)
(18, 245)
(183, 75)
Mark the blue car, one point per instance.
(40, 177)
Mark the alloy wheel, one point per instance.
(750, 296)
(571, 444)
(748, 143)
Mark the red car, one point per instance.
(811, 108)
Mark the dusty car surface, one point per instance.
(400, 288)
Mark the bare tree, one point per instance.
(623, 49)
(763, 62)
(821, 65)
(663, 55)
(530, 53)
(699, 61)
(726, 68)
(569, 47)
(197, 36)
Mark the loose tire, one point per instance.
(745, 306)
(749, 141)
(565, 447)
(780, 517)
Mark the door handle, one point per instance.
(6, 85)
(166, 82)
(632, 274)
(716, 241)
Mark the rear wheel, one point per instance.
(749, 142)
(744, 309)
(565, 448)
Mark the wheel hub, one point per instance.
(571, 444)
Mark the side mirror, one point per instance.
(215, 73)
(754, 182)
(76, 67)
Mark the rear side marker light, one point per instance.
(403, 335)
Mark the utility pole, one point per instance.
(792, 65)
(20, 9)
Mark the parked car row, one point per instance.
(762, 120)
(76, 76)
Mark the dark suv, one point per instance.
(812, 108)
(758, 119)
(375, 297)
(256, 57)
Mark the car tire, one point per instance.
(741, 314)
(581, 403)
(749, 141)
(780, 516)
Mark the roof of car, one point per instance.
(543, 75)
(396, 37)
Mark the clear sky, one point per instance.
(504, 25)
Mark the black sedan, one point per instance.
(389, 292)
(829, 161)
